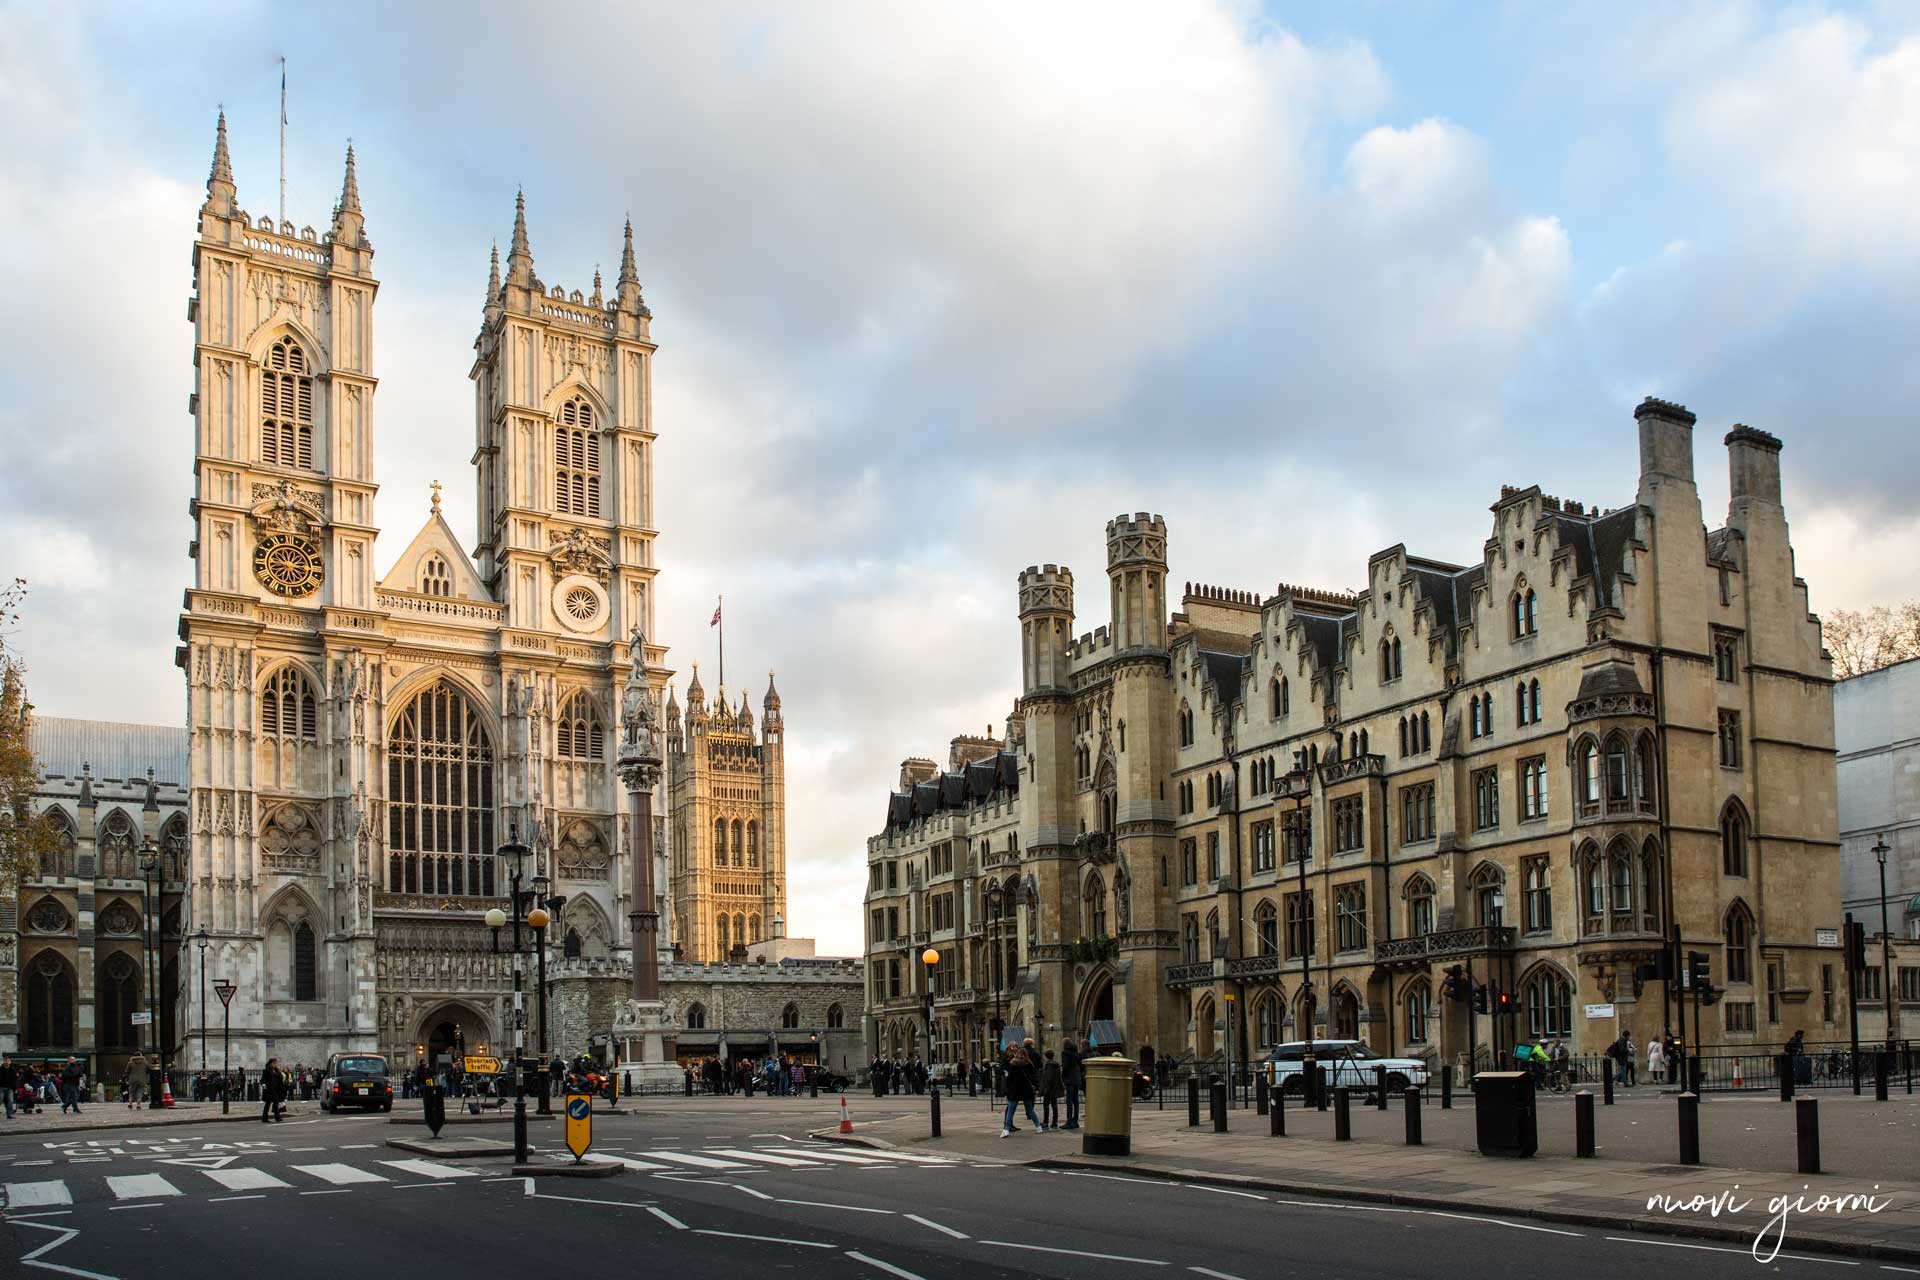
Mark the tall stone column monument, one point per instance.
(640, 1022)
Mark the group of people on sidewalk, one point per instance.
(782, 1077)
(24, 1086)
(1032, 1074)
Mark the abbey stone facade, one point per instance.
(1266, 816)
(360, 746)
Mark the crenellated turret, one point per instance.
(1137, 578)
(1046, 627)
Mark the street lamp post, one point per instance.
(930, 958)
(1300, 837)
(1880, 851)
(538, 918)
(150, 939)
(516, 853)
(225, 989)
(994, 895)
(200, 940)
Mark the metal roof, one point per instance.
(113, 749)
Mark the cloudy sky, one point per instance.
(941, 288)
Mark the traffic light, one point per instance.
(1479, 998)
(1856, 946)
(1710, 995)
(1699, 974)
(1455, 985)
(1503, 1001)
(1661, 970)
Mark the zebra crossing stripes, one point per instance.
(765, 1157)
(338, 1174)
(429, 1169)
(697, 1162)
(246, 1179)
(140, 1186)
(26, 1195)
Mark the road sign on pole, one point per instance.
(579, 1124)
(224, 990)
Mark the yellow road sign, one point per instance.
(579, 1124)
(482, 1066)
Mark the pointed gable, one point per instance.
(434, 563)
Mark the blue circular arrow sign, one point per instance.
(579, 1108)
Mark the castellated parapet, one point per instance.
(1046, 626)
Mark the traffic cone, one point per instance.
(1738, 1083)
(166, 1091)
(846, 1121)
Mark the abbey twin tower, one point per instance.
(360, 746)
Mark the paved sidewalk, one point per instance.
(114, 1115)
(1605, 1194)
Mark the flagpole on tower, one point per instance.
(720, 617)
(283, 139)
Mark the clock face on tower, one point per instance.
(288, 565)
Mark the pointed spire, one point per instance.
(220, 188)
(493, 279)
(596, 300)
(629, 274)
(519, 255)
(695, 694)
(626, 291)
(771, 703)
(350, 189)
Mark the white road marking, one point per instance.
(28, 1194)
(337, 1191)
(245, 1179)
(231, 1199)
(292, 1150)
(1077, 1253)
(1502, 1222)
(144, 1204)
(1709, 1248)
(66, 1234)
(1217, 1275)
(667, 1218)
(338, 1174)
(357, 1146)
(929, 1222)
(429, 1169)
(139, 1185)
(741, 1235)
(763, 1157)
(698, 1162)
(840, 1157)
(757, 1195)
(1111, 1177)
(850, 1208)
(887, 1267)
(1223, 1191)
(909, 1156)
(638, 1166)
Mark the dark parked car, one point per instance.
(356, 1080)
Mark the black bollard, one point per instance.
(1219, 1105)
(813, 1083)
(1806, 1125)
(1277, 1115)
(1689, 1128)
(933, 1095)
(1583, 1124)
(1193, 1102)
(1320, 1088)
(1380, 1088)
(1446, 1087)
(1413, 1116)
(1786, 1077)
(1260, 1096)
(435, 1104)
(1880, 1070)
(1696, 1069)
(1606, 1082)
(1342, 1115)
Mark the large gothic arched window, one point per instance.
(57, 859)
(49, 981)
(286, 407)
(287, 707)
(576, 460)
(118, 847)
(117, 992)
(440, 825)
(579, 733)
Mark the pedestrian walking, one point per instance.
(272, 1089)
(70, 1077)
(1071, 1076)
(136, 1080)
(1052, 1087)
(1656, 1059)
(1021, 1075)
(9, 1081)
(1629, 1059)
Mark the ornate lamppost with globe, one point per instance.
(516, 855)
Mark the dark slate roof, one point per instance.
(1225, 669)
(1611, 533)
(1323, 636)
(979, 781)
(1615, 676)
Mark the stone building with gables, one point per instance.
(1264, 815)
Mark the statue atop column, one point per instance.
(639, 741)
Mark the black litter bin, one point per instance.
(1802, 1069)
(1503, 1113)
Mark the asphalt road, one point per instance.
(718, 1188)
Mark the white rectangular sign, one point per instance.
(142, 1019)
(1826, 937)
(1599, 1011)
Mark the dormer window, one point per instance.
(436, 579)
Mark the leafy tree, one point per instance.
(1867, 640)
(23, 835)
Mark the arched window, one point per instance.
(1190, 939)
(1419, 907)
(1532, 613)
(570, 946)
(1526, 612)
(1366, 748)
(696, 1017)
(1266, 928)
(1286, 698)
(1533, 702)
(576, 460)
(1520, 704)
(1213, 936)
(1648, 764)
(1486, 713)
(1739, 934)
(1549, 1000)
(1276, 699)
(173, 847)
(436, 579)
(49, 1002)
(440, 821)
(1096, 899)
(753, 928)
(1490, 895)
(719, 842)
(790, 1016)
(119, 856)
(1619, 783)
(1620, 882)
(1593, 891)
(578, 732)
(753, 844)
(1403, 735)
(57, 860)
(305, 986)
(1419, 1011)
(1589, 781)
(287, 707)
(1473, 712)
(1389, 658)
(723, 934)
(740, 937)
(836, 1017)
(1650, 883)
(1266, 1022)
(739, 845)
(117, 992)
(1346, 1015)
(1426, 732)
(286, 407)
(1186, 727)
(1733, 840)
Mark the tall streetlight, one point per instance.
(200, 940)
(150, 938)
(929, 958)
(546, 911)
(225, 990)
(1880, 851)
(516, 854)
